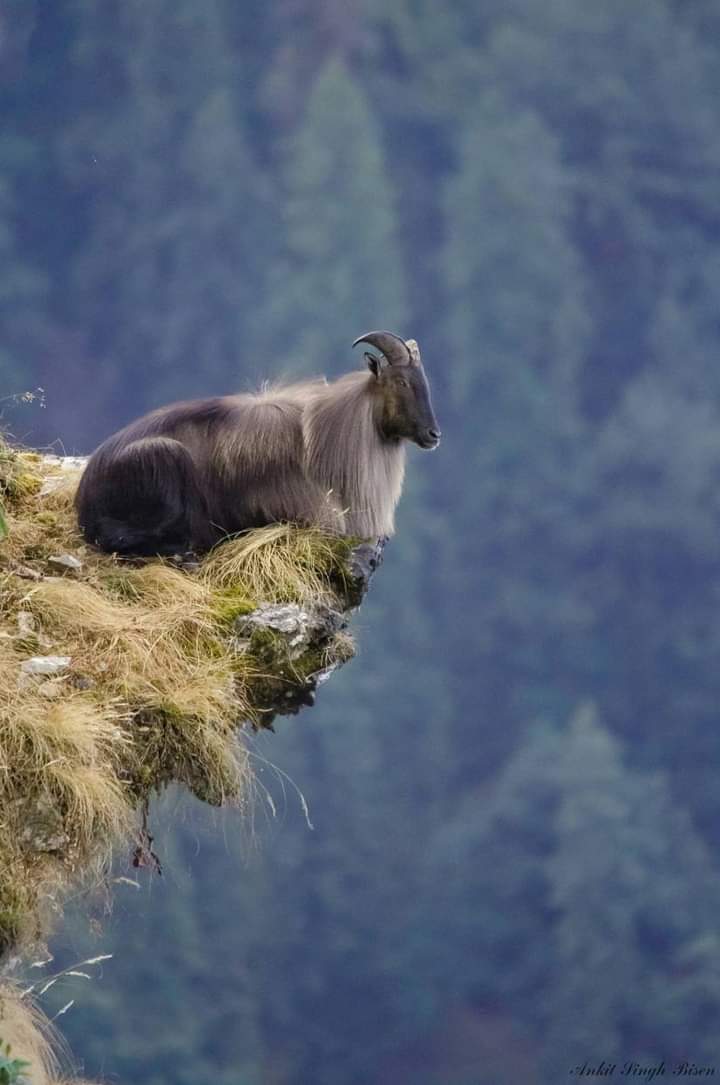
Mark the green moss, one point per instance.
(168, 750)
(16, 907)
(38, 552)
(273, 674)
(342, 546)
(282, 683)
(230, 604)
(170, 714)
(17, 479)
(266, 643)
(339, 573)
(11, 920)
(25, 486)
(48, 519)
(309, 663)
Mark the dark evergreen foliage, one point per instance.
(500, 882)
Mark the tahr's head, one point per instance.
(406, 409)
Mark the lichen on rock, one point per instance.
(296, 649)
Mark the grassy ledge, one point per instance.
(119, 678)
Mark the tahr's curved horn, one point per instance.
(414, 349)
(391, 346)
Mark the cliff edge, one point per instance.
(120, 677)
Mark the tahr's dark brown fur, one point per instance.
(325, 454)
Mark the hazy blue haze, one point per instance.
(514, 865)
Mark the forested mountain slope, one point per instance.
(514, 792)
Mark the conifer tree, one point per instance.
(576, 881)
(635, 895)
(23, 316)
(177, 236)
(342, 274)
(516, 330)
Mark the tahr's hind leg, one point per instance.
(148, 500)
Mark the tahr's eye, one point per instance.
(402, 383)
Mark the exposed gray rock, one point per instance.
(66, 561)
(363, 562)
(296, 648)
(26, 623)
(42, 828)
(45, 665)
(65, 466)
(302, 628)
(286, 618)
(27, 573)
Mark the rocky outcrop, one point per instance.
(118, 678)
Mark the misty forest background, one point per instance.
(515, 860)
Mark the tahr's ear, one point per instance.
(373, 364)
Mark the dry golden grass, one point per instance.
(281, 563)
(33, 1039)
(153, 692)
(30, 1036)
